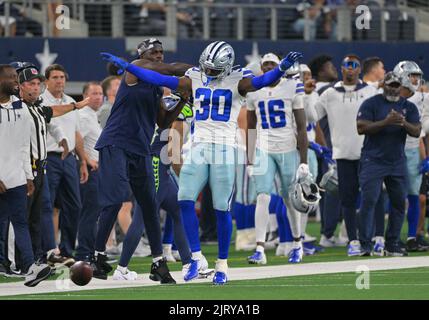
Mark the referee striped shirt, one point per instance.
(41, 125)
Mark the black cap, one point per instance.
(29, 74)
(19, 66)
(148, 44)
(391, 77)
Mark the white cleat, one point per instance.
(128, 275)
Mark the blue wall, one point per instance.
(81, 56)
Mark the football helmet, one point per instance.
(304, 195)
(404, 69)
(216, 61)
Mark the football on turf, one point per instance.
(81, 273)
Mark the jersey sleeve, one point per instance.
(299, 88)
(366, 110)
(322, 104)
(191, 71)
(413, 115)
(186, 114)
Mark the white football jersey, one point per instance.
(217, 106)
(276, 129)
(421, 100)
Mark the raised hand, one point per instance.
(121, 64)
(289, 60)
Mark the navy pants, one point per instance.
(63, 177)
(331, 214)
(371, 177)
(47, 222)
(166, 197)
(119, 169)
(88, 217)
(13, 208)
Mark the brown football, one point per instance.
(81, 273)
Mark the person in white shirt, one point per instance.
(63, 176)
(340, 103)
(90, 130)
(16, 177)
(110, 87)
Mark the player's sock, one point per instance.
(285, 234)
(294, 219)
(168, 230)
(273, 224)
(240, 216)
(190, 222)
(250, 216)
(413, 215)
(260, 249)
(224, 231)
(262, 216)
(123, 270)
(304, 219)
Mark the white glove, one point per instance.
(249, 170)
(302, 171)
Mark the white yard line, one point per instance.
(262, 272)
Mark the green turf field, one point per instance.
(390, 284)
(410, 284)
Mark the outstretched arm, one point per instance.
(150, 76)
(252, 84)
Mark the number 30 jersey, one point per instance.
(217, 106)
(274, 107)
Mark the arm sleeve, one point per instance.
(366, 111)
(56, 132)
(267, 78)
(321, 104)
(309, 105)
(413, 113)
(25, 150)
(250, 102)
(425, 115)
(153, 77)
(298, 102)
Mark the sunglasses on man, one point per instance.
(351, 63)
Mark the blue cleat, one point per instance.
(190, 271)
(354, 249)
(257, 258)
(309, 249)
(295, 256)
(220, 278)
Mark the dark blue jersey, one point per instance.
(387, 145)
(131, 123)
(159, 141)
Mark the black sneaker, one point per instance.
(4, 270)
(102, 262)
(395, 251)
(98, 272)
(421, 241)
(159, 272)
(414, 246)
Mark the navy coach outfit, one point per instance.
(125, 159)
(383, 160)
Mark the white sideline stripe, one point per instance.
(263, 272)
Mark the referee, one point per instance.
(30, 84)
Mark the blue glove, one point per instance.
(118, 62)
(316, 148)
(424, 166)
(289, 60)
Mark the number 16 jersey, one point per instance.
(216, 106)
(276, 128)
